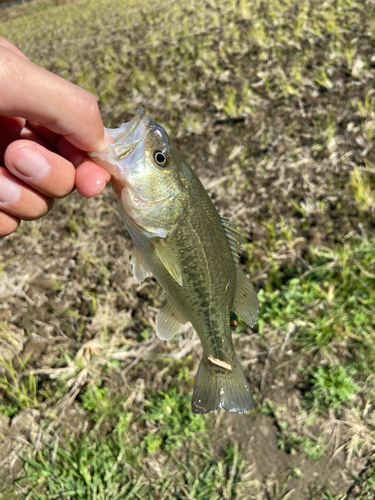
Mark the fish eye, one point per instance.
(161, 158)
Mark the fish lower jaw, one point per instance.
(118, 185)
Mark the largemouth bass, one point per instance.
(182, 240)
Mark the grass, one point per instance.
(169, 415)
(98, 471)
(21, 391)
(365, 482)
(330, 387)
(333, 314)
(363, 189)
(93, 465)
(86, 469)
(334, 339)
(274, 108)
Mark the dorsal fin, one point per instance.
(234, 236)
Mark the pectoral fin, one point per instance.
(169, 321)
(245, 303)
(139, 265)
(167, 257)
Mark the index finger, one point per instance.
(34, 93)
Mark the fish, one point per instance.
(191, 250)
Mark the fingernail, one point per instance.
(30, 163)
(9, 191)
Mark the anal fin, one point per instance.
(245, 304)
(169, 321)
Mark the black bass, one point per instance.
(182, 240)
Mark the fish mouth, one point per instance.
(126, 129)
(126, 137)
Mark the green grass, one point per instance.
(334, 299)
(332, 312)
(170, 417)
(331, 309)
(108, 462)
(111, 465)
(9, 410)
(365, 482)
(330, 387)
(21, 391)
(100, 470)
(363, 188)
(87, 468)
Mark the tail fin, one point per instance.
(217, 387)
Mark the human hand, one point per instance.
(46, 125)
